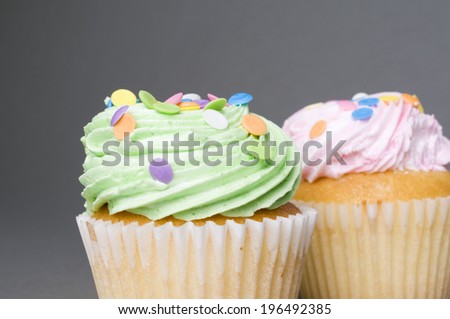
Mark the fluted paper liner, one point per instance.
(380, 250)
(251, 260)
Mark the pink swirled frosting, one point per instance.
(396, 136)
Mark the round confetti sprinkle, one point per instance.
(217, 104)
(175, 99)
(212, 97)
(108, 102)
(318, 129)
(389, 99)
(191, 96)
(188, 104)
(185, 100)
(313, 106)
(118, 114)
(190, 108)
(370, 101)
(123, 97)
(411, 99)
(362, 114)
(420, 107)
(147, 98)
(240, 98)
(201, 102)
(161, 170)
(215, 119)
(254, 124)
(346, 105)
(359, 95)
(125, 125)
(166, 108)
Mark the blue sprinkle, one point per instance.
(108, 102)
(240, 99)
(138, 100)
(186, 100)
(362, 114)
(371, 101)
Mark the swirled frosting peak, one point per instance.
(370, 133)
(185, 157)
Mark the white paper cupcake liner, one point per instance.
(381, 250)
(250, 260)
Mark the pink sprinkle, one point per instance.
(175, 99)
(212, 97)
(346, 105)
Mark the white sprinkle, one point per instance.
(191, 96)
(359, 95)
(215, 119)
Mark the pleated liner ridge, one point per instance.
(250, 260)
(384, 250)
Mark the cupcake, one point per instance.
(375, 172)
(183, 202)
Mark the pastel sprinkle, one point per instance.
(186, 100)
(191, 96)
(123, 97)
(212, 97)
(254, 124)
(408, 98)
(125, 125)
(216, 104)
(313, 106)
(166, 108)
(318, 129)
(359, 95)
(362, 114)
(118, 114)
(190, 108)
(108, 101)
(389, 98)
(201, 102)
(147, 98)
(215, 119)
(346, 105)
(240, 98)
(370, 101)
(161, 170)
(420, 107)
(188, 104)
(175, 99)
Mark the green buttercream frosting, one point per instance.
(198, 189)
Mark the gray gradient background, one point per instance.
(59, 59)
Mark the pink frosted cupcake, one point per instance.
(383, 198)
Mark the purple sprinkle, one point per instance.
(161, 170)
(202, 102)
(118, 114)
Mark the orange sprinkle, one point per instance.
(187, 104)
(318, 129)
(254, 124)
(126, 124)
(411, 99)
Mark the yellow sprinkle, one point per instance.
(313, 106)
(389, 98)
(123, 97)
(190, 108)
(420, 107)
